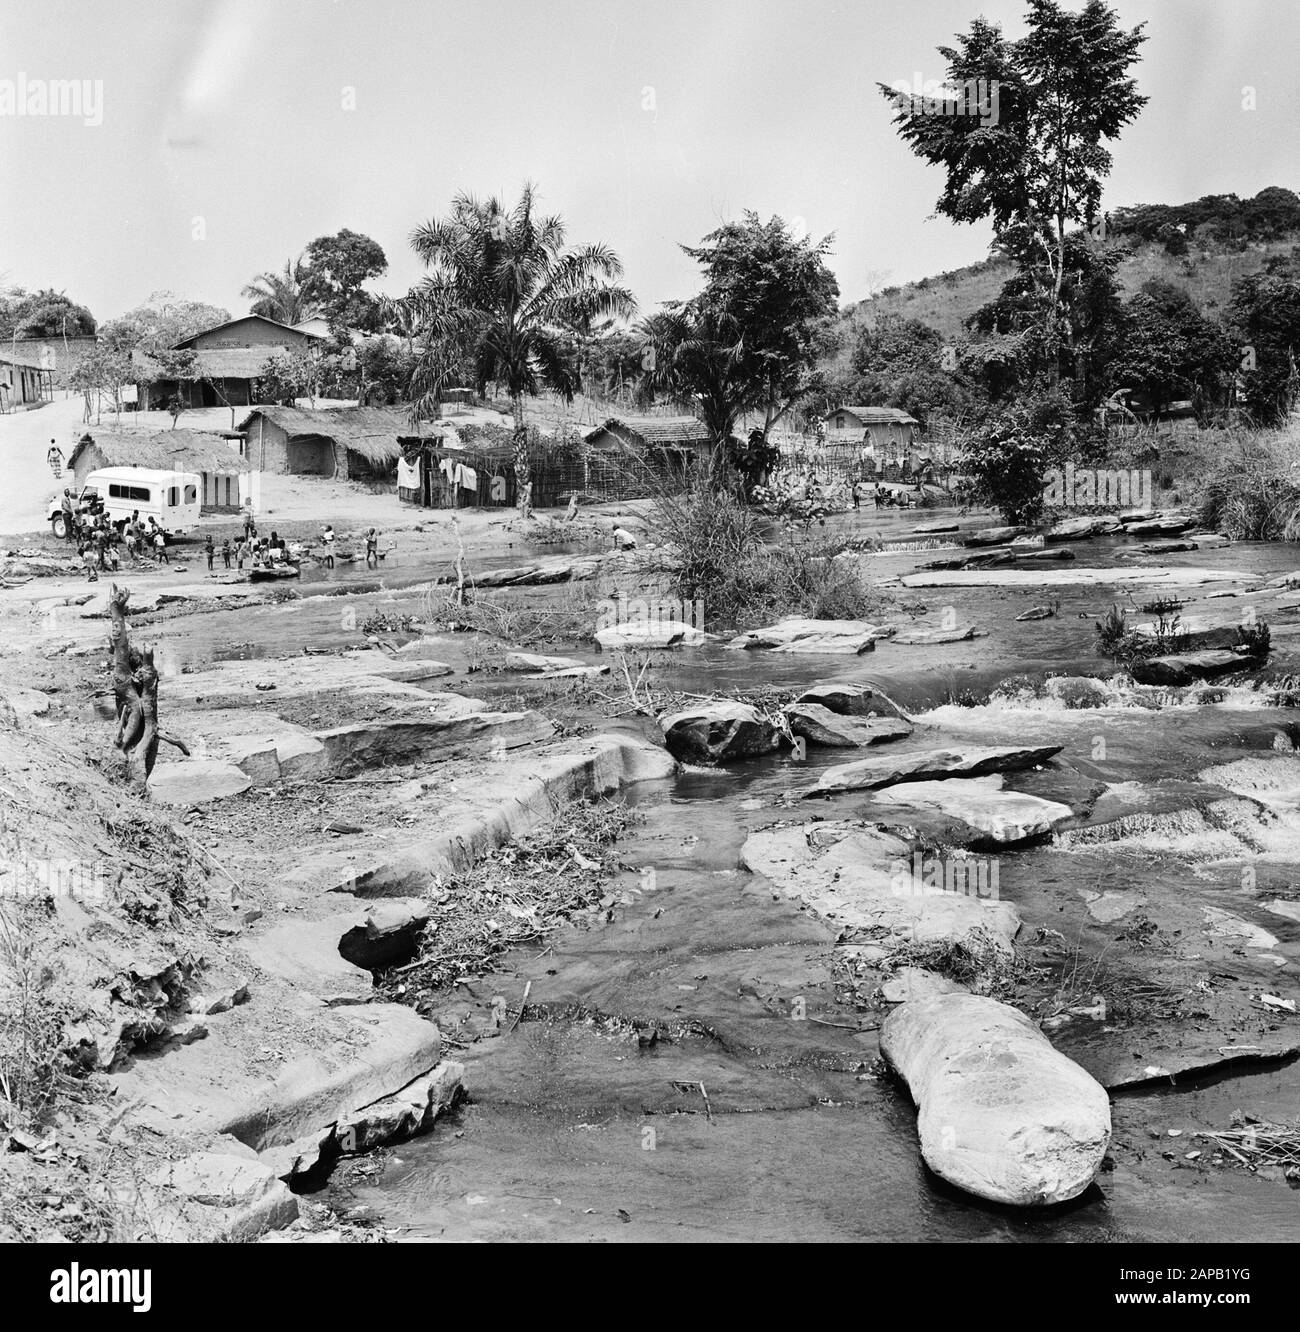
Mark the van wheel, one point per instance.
(60, 525)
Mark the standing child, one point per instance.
(210, 550)
(225, 552)
(88, 560)
(372, 548)
(160, 545)
(241, 549)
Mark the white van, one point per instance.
(172, 499)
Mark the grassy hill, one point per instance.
(1213, 262)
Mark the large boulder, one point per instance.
(719, 731)
(982, 805)
(851, 700)
(926, 764)
(840, 637)
(1002, 1114)
(650, 634)
(996, 536)
(821, 726)
(1181, 668)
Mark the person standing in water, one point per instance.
(372, 547)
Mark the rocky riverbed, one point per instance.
(955, 800)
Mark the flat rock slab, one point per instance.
(1169, 525)
(263, 746)
(370, 744)
(934, 637)
(1001, 1113)
(1040, 578)
(982, 804)
(719, 731)
(842, 637)
(923, 765)
(996, 536)
(531, 661)
(1270, 779)
(196, 781)
(934, 529)
(1181, 668)
(1079, 529)
(334, 1061)
(821, 726)
(657, 634)
(862, 879)
(305, 954)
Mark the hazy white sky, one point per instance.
(236, 112)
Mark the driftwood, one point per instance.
(135, 690)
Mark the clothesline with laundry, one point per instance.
(458, 475)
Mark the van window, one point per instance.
(173, 495)
(115, 491)
(142, 493)
(191, 494)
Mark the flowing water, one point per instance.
(580, 1127)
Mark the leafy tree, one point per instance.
(1009, 456)
(1265, 310)
(1168, 350)
(44, 314)
(752, 338)
(907, 364)
(1033, 165)
(285, 296)
(100, 374)
(337, 268)
(160, 323)
(501, 289)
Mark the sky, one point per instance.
(233, 132)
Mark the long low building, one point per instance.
(227, 477)
(346, 443)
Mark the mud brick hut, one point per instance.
(227, 477)
(343, 443)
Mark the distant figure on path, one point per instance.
(54, 456)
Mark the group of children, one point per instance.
(244, 548)
(97, 540)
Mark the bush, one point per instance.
(718, 555)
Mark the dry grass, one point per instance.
(517, 894)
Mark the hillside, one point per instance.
(1225, 239)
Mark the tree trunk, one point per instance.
(523, 476)
(135, 689)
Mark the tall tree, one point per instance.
(752, 338)
(337, 268)
(501, 290)
(1266, 317)
(1028, 152)
(284, 296)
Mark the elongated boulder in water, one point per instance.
(927, 764)
(996, 536)
(719, 731)
(851, 700)
(1001, 1113)
(821, 726)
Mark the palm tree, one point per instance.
(501, 292)
(284, 296)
